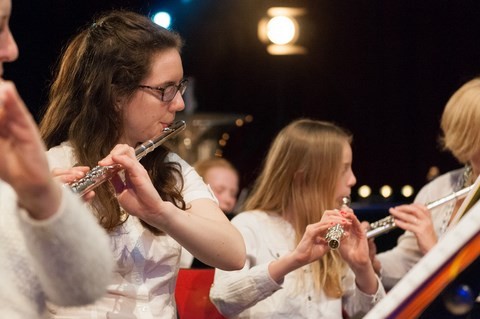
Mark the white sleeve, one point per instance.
(357, 302)
(233, 292)
(70, 252)
(193, 187)
(397, 261)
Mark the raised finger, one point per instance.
(404, 213)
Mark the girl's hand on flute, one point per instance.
(355, 251)
(372, 249)
(417, 219)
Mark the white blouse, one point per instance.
(147, 265)
(252, 293)
(400, 259)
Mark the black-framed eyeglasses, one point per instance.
(167, 93)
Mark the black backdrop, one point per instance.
(383, 69)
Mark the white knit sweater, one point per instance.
(65, 259)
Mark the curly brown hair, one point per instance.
(106, 61)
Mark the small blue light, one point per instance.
(162, 19)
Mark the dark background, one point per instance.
(382, 69)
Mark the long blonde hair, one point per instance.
(300, 173)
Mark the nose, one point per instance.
(230, 201)
(8, 47)
(227, 206)
(177, 104)
(352, 180)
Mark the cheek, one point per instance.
(341, 185)
(221, 195)
(146, 106)
(145, 115)
(133, 121)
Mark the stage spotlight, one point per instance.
(386, 191)
(163, 19)
(407, 191)
(364, 191)
(280, 30)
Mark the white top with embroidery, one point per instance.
(144, 280)
(400, 259)
(252, 293)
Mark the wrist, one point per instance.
(366, 280)
(282, 266)
(377, 267)
(362, 268)
(42, 202)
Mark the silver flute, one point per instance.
(100, 174)
(335, 233)
(386, 224)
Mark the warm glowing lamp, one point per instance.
(280, 31)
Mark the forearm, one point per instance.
(217, 244)
(366, 279)
(395, 263)
(235, 291)
(206, 233)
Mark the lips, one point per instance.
(165, 125)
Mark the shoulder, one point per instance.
(450, 178)
(254, 219)
(271, 231)
(175, 158)
(193, 185)
(443, 185)
(61, 156)
(185, 168)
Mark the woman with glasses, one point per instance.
(120, 83)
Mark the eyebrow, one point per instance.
(347, 164)
(164, 84)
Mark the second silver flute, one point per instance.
(100, 174)
(386, 224)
